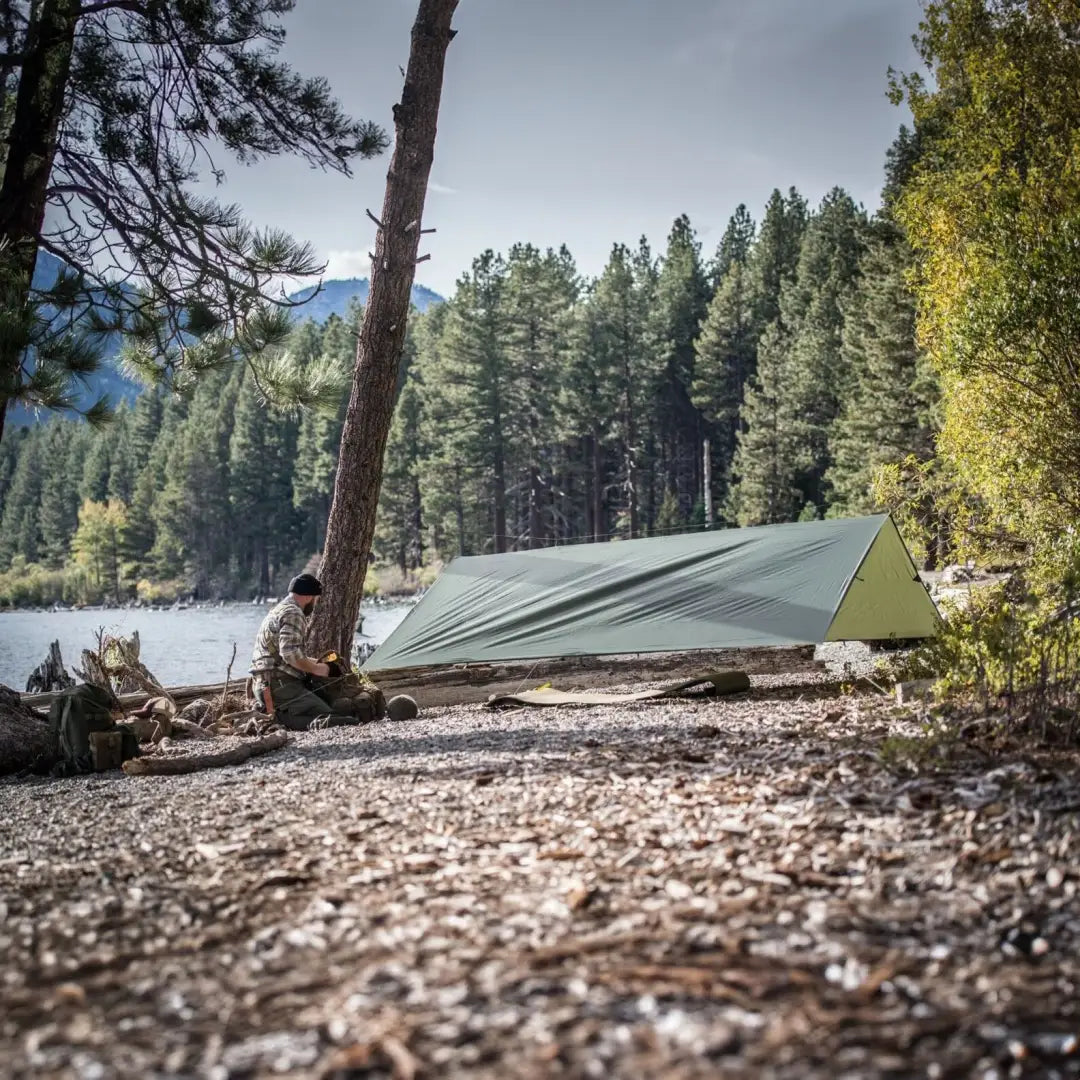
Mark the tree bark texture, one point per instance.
(39, 108)
(351, 526)
(707, 463)
(599, 525)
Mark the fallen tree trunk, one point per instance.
(26, 739)
(470, 684)
(709, 685)
(460, 684)
(155, 765)
(181, 695)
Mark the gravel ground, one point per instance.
(678, 889)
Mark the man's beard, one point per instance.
(308, 606)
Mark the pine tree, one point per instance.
(86, 176)
(305, 343)
(470, 405)
(618, 313)
(726, 351)
(146, 422)
(800, 382)
(538, 310)
(123, 466)
(19, 527)
(889, 412)
(675, 320)
(97, 464)
(669, 518)
(58, 515)
(775, 254)
(400, 531)
(767, 453)
(350, 529)
(588, 400)
(193, 525)
(735, 246)
(10, 448)
(140, 532)
(262, 450)
(819, 377)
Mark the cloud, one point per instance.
(347, 264)
(441, 189)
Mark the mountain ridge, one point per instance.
(330, 297)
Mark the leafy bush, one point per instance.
(159, 592)
(1013, 649)
(391, 580)
(26, 584)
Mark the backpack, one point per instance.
(76, 717)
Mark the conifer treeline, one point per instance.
(540, 408)
(535, 408)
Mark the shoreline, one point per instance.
(380, 601)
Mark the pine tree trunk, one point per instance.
(499, 497)
(264, 565)
(351, 527)
(115, 568)
(597, 490)
(707, 481)
(591, 528)
(31, 146)
(417, 523)
(631, 465)
(536, 526)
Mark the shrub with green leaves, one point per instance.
(1013, 648)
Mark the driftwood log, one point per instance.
(465, 684)
(50, 674)
(26, 739)
(156, 765)
(470, 684)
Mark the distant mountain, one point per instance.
(108, 380)
(319, 304)
(335, 296)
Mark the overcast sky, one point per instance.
(588, 122)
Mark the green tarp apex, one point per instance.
(799, 584)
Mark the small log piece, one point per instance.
(153, 765)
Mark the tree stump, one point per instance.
(50, 674)
(120, 655)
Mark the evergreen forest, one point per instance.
(535, 407)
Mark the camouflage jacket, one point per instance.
(280, 641)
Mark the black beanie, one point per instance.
(305, 585)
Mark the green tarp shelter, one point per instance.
(798, 584)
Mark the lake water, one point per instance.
(179, 647)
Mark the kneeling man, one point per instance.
(278, 664)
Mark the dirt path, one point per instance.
(676, 889)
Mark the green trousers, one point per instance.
(295, 706)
